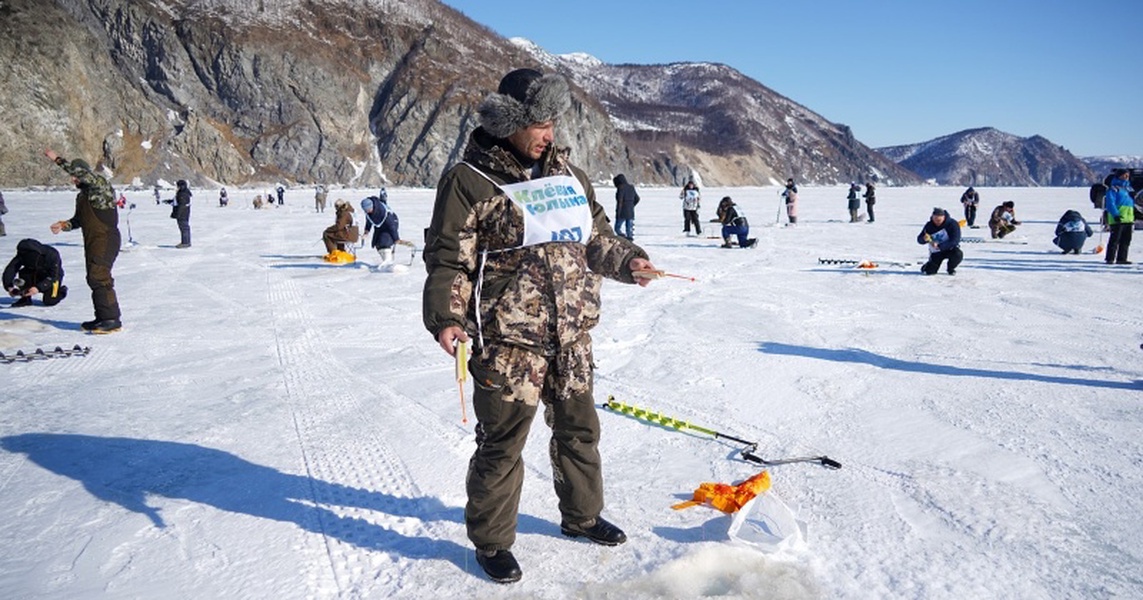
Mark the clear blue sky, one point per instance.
(896, 71)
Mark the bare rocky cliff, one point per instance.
(363, 92)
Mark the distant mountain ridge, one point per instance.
(373, 92)
(1104, 165)
(989, 157)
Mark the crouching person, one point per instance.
(36, 269)
(1071, 232)
(734, 223)
(942, 236)
(1003, 220)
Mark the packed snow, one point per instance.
(267, 425)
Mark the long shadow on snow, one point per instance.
(28, 313)
(126, 471)
(854, 355)
(1018, 264)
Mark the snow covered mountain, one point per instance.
(364, 92)
(989, 157)
(1102, 165)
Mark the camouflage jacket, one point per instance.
(542, 297)
(95, 210)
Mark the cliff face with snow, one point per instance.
(365, 92)
(987, 157)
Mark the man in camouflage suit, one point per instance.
(98, 217)
(515, 253)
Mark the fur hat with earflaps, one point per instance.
(524, 97)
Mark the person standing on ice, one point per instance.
(515, 253)
(692, 201)
(870, 199)
(3, 211)
(1120, 211)
(625, 200)
(854, 202)
(98, 219)
(320, 195)
(384, 223)
(790, 195)
(181, 213)
(942, 236)
(970, 199)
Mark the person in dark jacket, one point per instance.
(516, 252)
(96, 215)
(625, 200)
(942, 236)
(385, 225)
(734, 223)
(281, 195)
(970, 199)
(3, 211)
(36, 269)
(181, 212)
(1071, 232)
(853, 202)
(870, 199)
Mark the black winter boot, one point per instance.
(499, 565)
(597, 530)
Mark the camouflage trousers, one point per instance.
(510, 383)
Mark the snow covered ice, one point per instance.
(270, 426)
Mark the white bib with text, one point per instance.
(555, 209)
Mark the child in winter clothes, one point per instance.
(1071, 232)
(942, 235)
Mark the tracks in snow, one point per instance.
(373, 517)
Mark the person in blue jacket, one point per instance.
(384, 223)
(1071, 232)
(1120, 209)
(942, 236)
